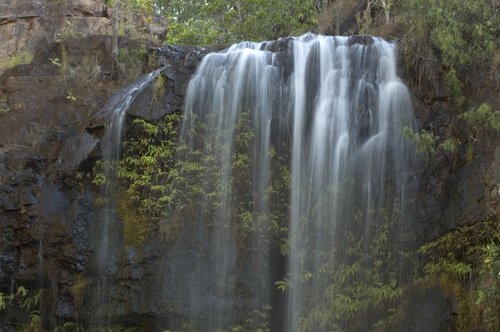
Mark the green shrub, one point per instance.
(483, 118)
(228, 21)
(448, 35)
(147, 192)
(425, 140)
(449, 146)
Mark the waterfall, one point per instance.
(289, 154)
(228, 112)
(349, 159)
(322, 117)
(108, 242)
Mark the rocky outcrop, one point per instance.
(459, 188)
(50, 140)
(57, 64)
(49, 209)
(57, 68)
(25, 24)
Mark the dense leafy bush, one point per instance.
(450, 35)
(223, 22)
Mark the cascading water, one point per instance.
(108, 243)
(287, 148)
(350, 163)
(323, 117)
(228, 113)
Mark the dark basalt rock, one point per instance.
(75, 150)
(277, 46)
(360, 39)
(48, 216)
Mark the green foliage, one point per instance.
(488, 296)
(366, 290)
(122, 54)
(136, 226)
(257, 320)
(465, 263)
(69, 327)
(362, 286)
(282, 285)
(464, 31)
(70, 96)
(164, 182)
(192, 32)
(3, 301)
(27, 301)
(98, 178)
(449, 146)
(131, 62)
(455, 86)
(425, 140)
(148, 6)
(427, 143)
(20, 58)
(77, 290)
(223, 22)
(146, 178)
(158, 89)
(145, 174)
(483, 118)
(447, 34)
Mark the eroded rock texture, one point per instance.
(49, 141)
(57, 68)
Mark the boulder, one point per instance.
(75, 150)
(85, 8)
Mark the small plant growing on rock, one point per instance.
(70, 96)
(20, 58)
(27, 301)
(77, 291)
(483, 118)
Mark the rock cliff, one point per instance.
(58, 67)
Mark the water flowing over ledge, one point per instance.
(328, 110)
(141, 253)
(109, 242)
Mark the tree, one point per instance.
(455, 34)
(226, 21)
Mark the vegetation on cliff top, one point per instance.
(441, 40)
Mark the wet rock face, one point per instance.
(455, 190)
(56, 70)
(48, 213)
(48, 147)
(430, 310)
(45, 224)
(75, 150)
